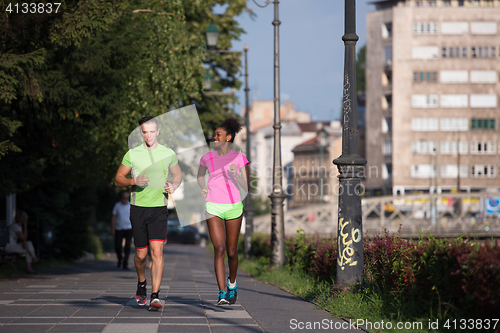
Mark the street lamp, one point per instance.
(212, 36)
(350, 165)
(278, 195)
(207, 81)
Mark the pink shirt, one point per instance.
(222, 185)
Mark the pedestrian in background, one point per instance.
(121, 228)
(228, 172)
(18, 240)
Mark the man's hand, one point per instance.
(170, 188)
(141, 180)
(204, 192)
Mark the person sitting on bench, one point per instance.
(18, 240)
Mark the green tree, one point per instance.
(361, 70)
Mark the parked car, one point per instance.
(189, 234)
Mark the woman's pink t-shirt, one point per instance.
(222, 185)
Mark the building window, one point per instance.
(423, 147)
(387, 30)
(387, 171)
(450, 147)
(454, 124)
(425, 28)
(483, 101)
(481, 170)
(483, 52)
(488, 3)
(387, 125)
(425, 52)
(454, 76)
(454, 52)
(424, 76)
(454, 101)
(482, 123)
(388, 55)
(482, 147)
(419, 4)
(423, 171)
(483, 76)
(387, 148)
(451, 171)
(430, 3)
(460, 3)
(424, 101)
(424, 124)
(446, 3)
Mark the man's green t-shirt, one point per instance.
(154, 163)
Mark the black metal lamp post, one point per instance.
(278, 195)
(249, 207)
(212, 36)
(350, 261)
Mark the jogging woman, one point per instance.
(227, 172)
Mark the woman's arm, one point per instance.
(242, 177)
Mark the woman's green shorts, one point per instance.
(225, 211)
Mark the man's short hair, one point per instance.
(148, 119)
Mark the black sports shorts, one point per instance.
(148, 224)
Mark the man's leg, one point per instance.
(140, 262)
(158, 264)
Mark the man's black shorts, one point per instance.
(149, 224)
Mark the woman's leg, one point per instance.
(233, 228)
(217, 235)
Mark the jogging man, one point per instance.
(149, 164)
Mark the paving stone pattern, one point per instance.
(99, 297)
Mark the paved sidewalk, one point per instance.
(99, 297)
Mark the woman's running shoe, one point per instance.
(222, 298)
(232, 293)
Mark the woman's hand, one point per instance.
(233, 169)
(204, 192)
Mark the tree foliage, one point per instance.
(74, 83)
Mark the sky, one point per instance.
(311, 53)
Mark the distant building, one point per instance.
(312, 175)
(432, 107)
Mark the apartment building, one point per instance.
(432, 99)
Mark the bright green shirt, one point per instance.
(155, 164)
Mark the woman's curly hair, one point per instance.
(231, 126)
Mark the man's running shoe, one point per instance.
(141, 294)
(232, 293)
(222, 298)
(155, 303)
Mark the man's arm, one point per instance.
(121, 179)
(176, 172)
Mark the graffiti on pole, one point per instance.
(346, 250)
